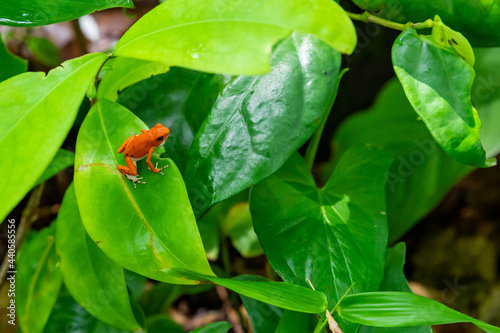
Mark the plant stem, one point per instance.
(94, 99)
(312, 148)
(367, 17)
(80, 37)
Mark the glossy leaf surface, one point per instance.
(84, 266)
(61, 161)
(477, 20)
(281, 294)
(37, 114)
(38, 12)
(125, 72)
(401, 309)
(416, 155)
(38, 280)
(437, 83)
(232, 36)
(342, 228)
(143, 229)
(218, 327)
(180, 100)
(259, 121)
(11, 65)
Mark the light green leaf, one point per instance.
(37, 282)
(37, 114)
(342, 228)
(35, 13)
(61, 161)
(447, 37)
(238, 226)
(125, 72)
(88, 272)
(281, 294)
(10, 64)
(402, 309)
(154, 226)
(44, 51)
(258, 122)
(232, 36)
(437, 83)
(218, 327)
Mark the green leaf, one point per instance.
(160, 228)
(210, 230)
(447, 37)
(477, 20)
(330, 237)
(218, 327)
(395, 280)
(162, 324)
(238, 226)
(35, 13)
(259, 121)
(135, 283)
(44, 51)
(292, 321)
(402, 309)
(281, 294)
(63, 159)
(87, 271)
(38, 280)
(125, 72)
(437, 83)
(39, 109)
(179, 99)
(10, 64)
(232, 36)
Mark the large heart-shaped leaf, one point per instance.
(232, 36)
(84, 266)
(331, 237)
(180, 100)
(37, 282)
(10, 64)
(37, 114)
(143, 229)
(437, 83)
(34, 13)
(259, 121)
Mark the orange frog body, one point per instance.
(139, 146)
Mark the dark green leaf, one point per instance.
(124, 72)
(232, 36)
(180, 100)
(10, 64)
(238, 226)
(88, 272)
(163, 324)
(37, 282)
(331, 237)
(38, 12)
(153, 225)
(218, 327)
(477, 20)
(259, 121)
(437, 83)
(292, 321)
(39, 109)
(44, 51)
(402, 309)
(61, 161)
(135, 283)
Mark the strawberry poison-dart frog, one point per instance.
(136, 147)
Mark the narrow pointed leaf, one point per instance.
(153, 226)
(35, 13)
(437, 83)
(38, 280)
(162, 323)
(258, 122)
(232, 36)
(401, 309)
(218, 327)
(125, 72)
(10, 64)
(37, 114)
(85, 267)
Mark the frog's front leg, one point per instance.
(150, 165)
(130, 171)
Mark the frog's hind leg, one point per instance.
(130, 171)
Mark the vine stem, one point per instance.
(367, 17)
(312, 148)
(94, 99)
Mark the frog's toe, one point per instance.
(135, 179)
(159, 169)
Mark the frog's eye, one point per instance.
(160, 138)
